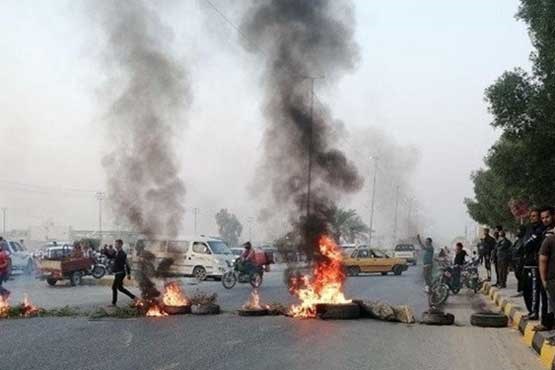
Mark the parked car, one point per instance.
(21, 260)
(407, 252)
(199, 257)
(364, 260)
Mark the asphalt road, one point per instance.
(228, 341)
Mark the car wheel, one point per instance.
(384, 273)
(397, 270)
(353, 270)
(199, 273)
(51, 282)
(76, 278)
(346, 311)
(489, 320)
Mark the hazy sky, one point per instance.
(420, 80)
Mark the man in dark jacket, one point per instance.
(518, 259)
(533, 291)
(503, 253)
(489, 247)
(547, 215)
(120, 269)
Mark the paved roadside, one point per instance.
(513, 306)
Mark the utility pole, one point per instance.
(4, 210)
(195, 214)
(373, 201)
(100, 197)
(409, 231)
(395, 217)
(310, 137)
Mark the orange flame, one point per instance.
(173, 295)
(254, 302)
(326, 284)
(155, 311)
(27, 308)
(4, 307)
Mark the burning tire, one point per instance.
(346, 311)
(250, 312)
(205, 309)
(177, 310)
(437, 318)
(489, 320)
(199, 273)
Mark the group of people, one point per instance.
(531, 257)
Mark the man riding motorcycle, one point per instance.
(247, 259)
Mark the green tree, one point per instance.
(520, 164)
(229, 227)
(346, 224)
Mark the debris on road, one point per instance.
(488, 319)
(437, 317)
(386, 312)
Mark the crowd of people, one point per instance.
(530, 257)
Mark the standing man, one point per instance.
(120, 269)
(4, 266)
(547, 265)
(532, 240)
(503, 253)
(427, 260)
(518, 259)
(489, 247)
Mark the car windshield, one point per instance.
(219, 247)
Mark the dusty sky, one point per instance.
(417, 91)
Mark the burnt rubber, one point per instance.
(489, 320)
(177, 310)
(346, 311)
(205, 309)
(437, 318)
(257, 312)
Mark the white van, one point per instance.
(200, 257)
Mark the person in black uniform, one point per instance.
(120, 269)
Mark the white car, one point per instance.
(405, 251)
(199, 257)
(22, 261)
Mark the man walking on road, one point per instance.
(120, 269)
(503, 253)
(427, 260)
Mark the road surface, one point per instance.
(228, 341)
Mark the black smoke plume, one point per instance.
(299, 39)
(148, 90)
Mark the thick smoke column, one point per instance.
(145, 117)
(301, 39)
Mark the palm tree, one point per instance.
(347, 224)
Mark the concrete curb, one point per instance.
(535, 340)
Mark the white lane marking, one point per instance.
(169, 367)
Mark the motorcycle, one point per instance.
(452, 279)
(97, 269)
(236, 274)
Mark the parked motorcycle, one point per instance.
(236, 274)
(452, 279)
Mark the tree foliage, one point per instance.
(229, 227)
(347, 225)
(520, 164)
